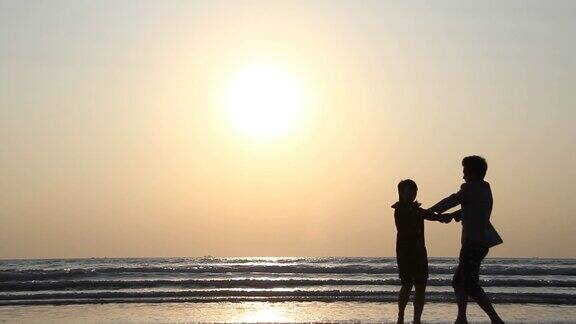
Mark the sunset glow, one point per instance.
(279, 128)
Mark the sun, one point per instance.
(264, 101)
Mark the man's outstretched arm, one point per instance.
(451, 201)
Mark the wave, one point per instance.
(254, 283)
(28, 275)
(235, 295)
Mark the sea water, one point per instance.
(268, 289)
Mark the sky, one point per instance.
(116, 138)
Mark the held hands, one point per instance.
(445, 218)
(457, 215)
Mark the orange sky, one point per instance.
(115, 139)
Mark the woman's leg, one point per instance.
(419, 302)
(403, 298)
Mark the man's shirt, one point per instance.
(475, 197)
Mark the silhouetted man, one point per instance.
(478, 235)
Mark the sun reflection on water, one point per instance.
(265, 314)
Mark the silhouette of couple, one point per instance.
(478, 236)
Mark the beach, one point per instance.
(281, 312)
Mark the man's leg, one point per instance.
(403, 298)
(462, 301)
(478, 254)
(484, 302)
(460, 292)
(419, 302)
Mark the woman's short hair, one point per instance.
(407, 183)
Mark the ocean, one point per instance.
(320, 288)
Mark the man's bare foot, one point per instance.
(461, 321)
